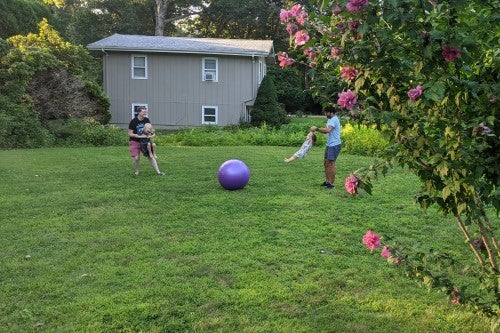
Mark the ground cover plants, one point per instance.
(88, 247)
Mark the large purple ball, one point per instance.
(233, 175)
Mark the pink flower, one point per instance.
(454, 300)
(353, 25)
(284, 15)
(336, 10)
(371, 240)
(285, 60)
(296, 10)
(386, 253)
(301, 37)
(349, 73)
(335, 52)
(356, 5)
(450, 53)
(415, 93)
(292, 28)
(347, 99)
(351, 184)
(301, 18)
(310, 53)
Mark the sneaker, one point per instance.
(161, 173)
(329, 186)
(324, 184)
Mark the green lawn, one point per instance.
(87, 247)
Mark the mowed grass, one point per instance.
(88, 247)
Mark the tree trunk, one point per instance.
(161, 7)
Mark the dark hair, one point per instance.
(330, 108)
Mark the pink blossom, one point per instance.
(296, 9)
(356, 5)
(301, 37)
(347, 99)
(301, 18)
(310, 53)
(285, 15)
(386, 253)
(285, 60)
(336, 10)
(335, 52)
(349, 73)
(353, 25)
(450, 53)
(455, 300)
(415, 93)
(292, 28)
(351, 184)
(371, 240)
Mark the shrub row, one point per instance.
(357, 139)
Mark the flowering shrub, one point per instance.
(430, 76)
(427, 268)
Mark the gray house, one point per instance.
(184, 82)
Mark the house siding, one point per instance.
(174, 90)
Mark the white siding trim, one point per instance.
(133, 67)
(209, 119)
(210, 74)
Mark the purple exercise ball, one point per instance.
(233, 175)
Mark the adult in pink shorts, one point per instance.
(135, 128)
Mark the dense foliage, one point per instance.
(266, 109)
(44, 79)
(428, 73)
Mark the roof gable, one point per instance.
(208, 46)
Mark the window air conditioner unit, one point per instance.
(209, 76)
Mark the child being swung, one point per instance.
(304, 149)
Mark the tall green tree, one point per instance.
(253, 19)
(266, 109)
(21, 16)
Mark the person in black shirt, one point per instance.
(135, 129)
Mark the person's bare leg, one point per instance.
(290, 159)
(150, 150)
(330, 171)
(155, 166)
(136, 164)
(153, 148)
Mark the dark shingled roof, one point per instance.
(209, 46)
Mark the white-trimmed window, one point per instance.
(135, 106)
(262, 70)
(209, 115)
(210, 70)
(139, 66)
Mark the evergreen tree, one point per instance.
(266, 109)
